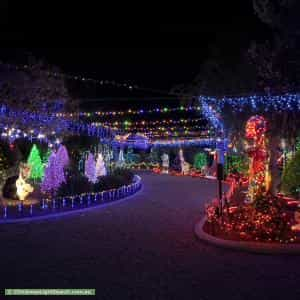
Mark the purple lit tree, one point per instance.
(90, 168)
(54, 175)
(62, 156)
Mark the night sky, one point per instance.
(136, 48)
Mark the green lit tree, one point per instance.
(237, 164)
(35, 162)
(200, 160)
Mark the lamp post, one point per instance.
(283, 146)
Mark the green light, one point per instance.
(181, 108)
(35, 162)
(165, 109)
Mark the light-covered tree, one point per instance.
(54, 175)
(291, 176)
(63, 156)
(35, 163)
(200, 160)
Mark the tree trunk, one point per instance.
(273, 166)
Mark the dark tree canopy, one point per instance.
(34, 88)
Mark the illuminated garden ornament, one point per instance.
(256, 128)
(100, 166)
(121, 159)
(36, 164)
(90, 168)
(165, 163)
(23, 188)
(184, 166)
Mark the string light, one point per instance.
(148, 122)
(83, 79)
(255, 103)
(132, 111)
(202, 142)
(46, 122)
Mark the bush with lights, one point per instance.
(291, 177)
(200, 160)
(236, 164)
(266, 221)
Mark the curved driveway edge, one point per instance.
(256, 247)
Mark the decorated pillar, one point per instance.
(256, 128)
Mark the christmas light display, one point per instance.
(161, 127)
(3, 164)
(211, 115)
(255, 103)
(291, 176)
(138, 141)
(165, 163)
(185, 166)
(57, 205)
(84, 79)
(46, 157)
(54, 175)
(23, 188)
(130, 111)
(236, 164)
(212, 107)
(121, 159)
(100, 166)
(35, 163)
(200, 160)
(201, 142)
(46, 126)
(147, 123)
(256, 128)
(90, 168)
(62, 156)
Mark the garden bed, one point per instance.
(264, 227)
(248, 246)
(44, 207)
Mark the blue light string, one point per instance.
(256, 103)
(211, 115)
(43, 121)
